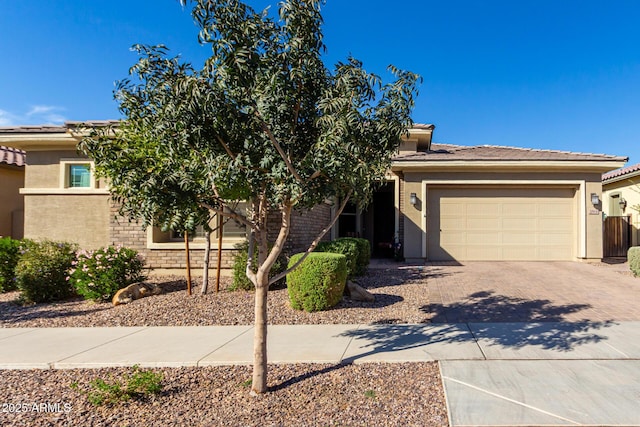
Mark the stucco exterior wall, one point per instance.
(81, 219)
(11, 201)
(629, 189)
(588, 217)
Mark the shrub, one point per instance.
(41, 272)
(9, 256)
(357, 251)
(318, 282)
(364, 255)
(97, 275)
(136, 385)
(240, 279)
(347, 247)
(633, 256)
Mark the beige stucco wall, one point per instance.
(588, 220)
(82, 219)
(11, 201)
(629, 189)
(44, 168)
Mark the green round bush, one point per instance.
(9, 256)
(364, 254)
(318, 282)
(633, 256)
(347, 247)
(357, 251)
(97, 275)
(41, 272)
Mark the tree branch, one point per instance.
(314, 243)
(231, 214)
(277, 146)
(285, 227)
(226, 147)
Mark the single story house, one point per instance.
(12, 166)
(621, 198)
(440, 202)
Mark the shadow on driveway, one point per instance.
(487, 306)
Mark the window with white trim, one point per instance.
(77, 174)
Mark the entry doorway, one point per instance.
(377, 223)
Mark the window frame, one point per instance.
(65, 174)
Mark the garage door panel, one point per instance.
(482, 224)
(519, 238)
(553, 239)
(518, 210)
(506, 223)
(515, 224)
(557, 209)
(482, 239)
(478, 209)
(555, 224)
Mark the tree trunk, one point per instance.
(186, 250)
(219, 266)
(205, 269)
(259, 383)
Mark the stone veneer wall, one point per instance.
(305, 227)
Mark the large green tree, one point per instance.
(264, 121)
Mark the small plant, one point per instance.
(318, 282)
(371, 394)
(240, 279)
(136, 385)
(633, 256)
(247, 383)
(41, 271)
(97, 275)
(9, 256)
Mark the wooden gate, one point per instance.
(617, 236)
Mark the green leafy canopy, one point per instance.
(264, 118)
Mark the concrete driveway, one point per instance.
(532, 292)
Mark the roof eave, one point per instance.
(596, 166)
(619, 178)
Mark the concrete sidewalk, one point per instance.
(494, 373)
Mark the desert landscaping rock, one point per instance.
(400, 297)
(408, 394)
(300, 395)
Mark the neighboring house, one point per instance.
(12, 165)
(621, 197)
(440, 202)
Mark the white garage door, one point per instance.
(484, 224)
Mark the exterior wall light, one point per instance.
(413, 199)
(623, 203)
(595, 200)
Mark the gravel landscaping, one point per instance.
(299, 395)
(401, 297)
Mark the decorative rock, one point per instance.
(358, 293)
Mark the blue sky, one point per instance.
(552, 74)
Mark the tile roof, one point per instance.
(12, 156)
(447, 152)
(621, 172)
(56, 128)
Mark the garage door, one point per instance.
(484, 224)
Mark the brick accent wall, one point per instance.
(306, 225)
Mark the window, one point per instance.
(233, 233)
(79, 176)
